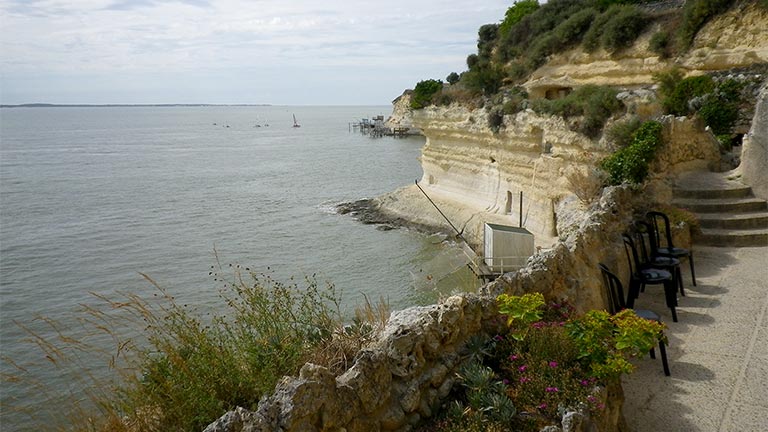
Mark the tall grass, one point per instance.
(186, 367)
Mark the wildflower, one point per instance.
(601, 406)
(505, 381)
(591, 398)
(524, 380)
(523, 368)
(551, 390)
(542, 406)
(514, 357)
(538, 324)
(584, 382)
(498, 338)
(553, 364)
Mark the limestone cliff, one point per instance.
(738, 38)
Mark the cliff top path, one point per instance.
(718, 351)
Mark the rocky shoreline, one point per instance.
(369, 211)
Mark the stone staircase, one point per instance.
(729, 213)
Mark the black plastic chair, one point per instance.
(616, 304)
(658, 222)
(649, 260)
(640, 276)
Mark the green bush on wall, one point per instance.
(630, 164)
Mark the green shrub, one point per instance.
(452, 78)
(677, 101)
(591, 40)
(621, 133)
(423, 92)
(668, 80)
(719, 114)
(625, 25)
(659, 44)
(571, 30)
(516, 13)
(595, 103)
(484, 77)
(630, 164)
(695, 14)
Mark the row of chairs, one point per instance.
(653, 260)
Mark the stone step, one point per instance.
(730, 192)
(749, 220)
(729, 205)
(735, 238)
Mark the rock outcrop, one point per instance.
(754, 153)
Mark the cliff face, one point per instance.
(476, 175)
(738, 38)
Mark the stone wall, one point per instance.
(754, 153)
(410, 371)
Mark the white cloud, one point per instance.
(161, 49)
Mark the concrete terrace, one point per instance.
(718, 351)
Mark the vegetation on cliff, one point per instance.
(547, 361)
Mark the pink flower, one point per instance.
(514, 357)
(601, 406)
(505, 381)
(524, 380)
(551, 390)
(591, 398)
(538, 324)
(553, 364)
(584, 383)
(523, 368)
(542, 406)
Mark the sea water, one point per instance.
(92, 197)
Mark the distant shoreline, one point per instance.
(45, 105)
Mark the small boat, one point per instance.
(295, 123)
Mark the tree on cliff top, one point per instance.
(423, 92)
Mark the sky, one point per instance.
(282, 52)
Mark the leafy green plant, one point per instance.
(516, 13)
(423, 92)
(521, 311)
(606, 342)
(452, 78)
(677, 101)
(595, 103)
(660, 44)
(624, 26)
(621, 133)
(630, 163)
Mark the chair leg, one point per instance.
(664, 362)
(679, 276)
(670, 294)
(653, 353)
(693, 272)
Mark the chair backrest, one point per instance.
(614, 289)
(647, 248)
(658, 221)
(632, 258)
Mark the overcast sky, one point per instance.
(304, 52)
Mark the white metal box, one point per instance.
(506, 248)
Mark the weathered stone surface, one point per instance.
(368, 378)
(754, 153)
(237, 420)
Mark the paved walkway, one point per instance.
(718, 351)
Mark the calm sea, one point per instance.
(90, 197)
